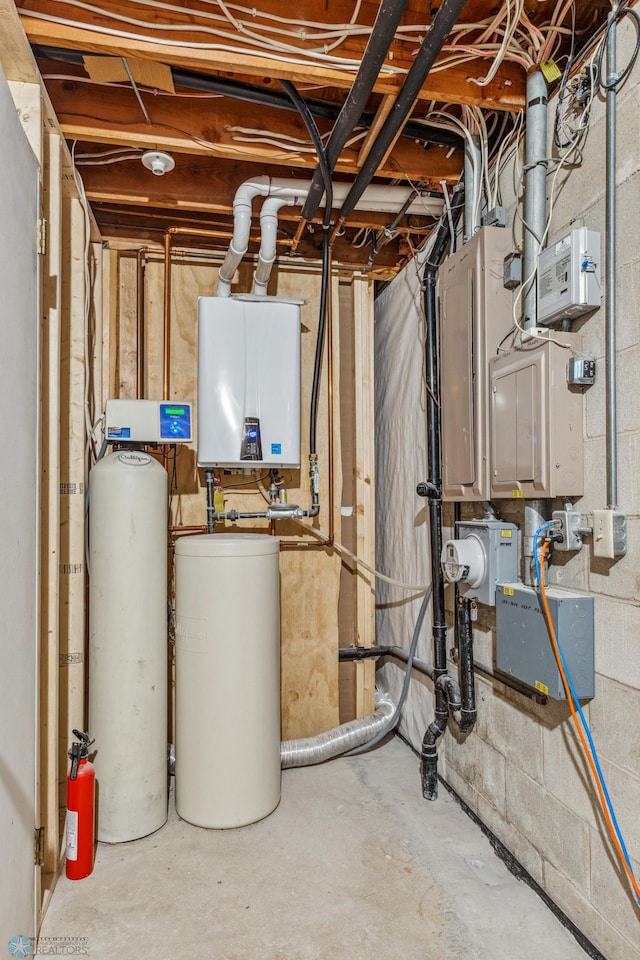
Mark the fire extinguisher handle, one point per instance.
(79, 751)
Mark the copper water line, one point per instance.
(297, 235)
(140, 323)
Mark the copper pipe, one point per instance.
(140, 323)
(297, 235)
(166, 317)
(338, 227)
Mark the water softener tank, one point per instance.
(227, 678)
(128, 643)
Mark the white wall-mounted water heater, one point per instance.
(248, 382)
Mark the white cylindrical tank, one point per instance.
(128, 643)
(227, 678)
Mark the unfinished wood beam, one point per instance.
(50, 502)
(382, 113)
(205, 127)
(365, 497)
(505, 92)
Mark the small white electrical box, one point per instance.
(147, 421)
(248, 382)
(569, 277)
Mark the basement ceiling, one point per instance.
(200, 79)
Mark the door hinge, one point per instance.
(42, 236)
(38, 846)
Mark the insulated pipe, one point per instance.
(612, 425)
(535, 188)
(268, 237)
(261, 96)
(333, 743)
(386, 23)
(431, 46)
(473, 185)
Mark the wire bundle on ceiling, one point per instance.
(577, 715)
(508, 35)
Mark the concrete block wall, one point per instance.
(521, 769)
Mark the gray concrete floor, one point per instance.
(353, 863)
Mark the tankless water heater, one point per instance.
(248, 382)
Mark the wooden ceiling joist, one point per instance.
(455, 84)
(205, 126)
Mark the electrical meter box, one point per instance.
(147, 421)
(569, 277)
(523, 644)
(536, 421)
(484, 552)
(475, 315)
(248, 382)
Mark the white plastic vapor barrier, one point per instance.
(402, 528)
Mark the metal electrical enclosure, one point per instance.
(536, 422)
(523, 645)
(475, 315)
(498, 555)
(248, 382)
(569, 277)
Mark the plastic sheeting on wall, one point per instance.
(402, 528)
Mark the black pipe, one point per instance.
(260, 96)
(324, 168)
(431, 46)
(397, 653)
(433, 489)
(469, 712)
(386, 23)
(317, 363)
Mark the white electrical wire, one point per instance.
(337, 63)
(421, 588)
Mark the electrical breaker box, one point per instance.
(248, 382)
(475, 315)
(536, 422)
(147, 421)
(569, 277)
(523, 644)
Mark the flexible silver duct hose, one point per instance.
(333, 743)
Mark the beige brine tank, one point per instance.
(128, 643)
(227, 678)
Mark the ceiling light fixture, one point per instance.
(158, 162)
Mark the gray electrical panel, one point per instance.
(569, 277)
(523, 645)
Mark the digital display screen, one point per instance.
(175, 422)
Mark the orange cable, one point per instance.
(574, 717)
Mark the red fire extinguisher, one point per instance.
(81, 782)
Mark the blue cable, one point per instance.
(583, 719)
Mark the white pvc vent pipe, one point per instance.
(334, 743)
(377, 197)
